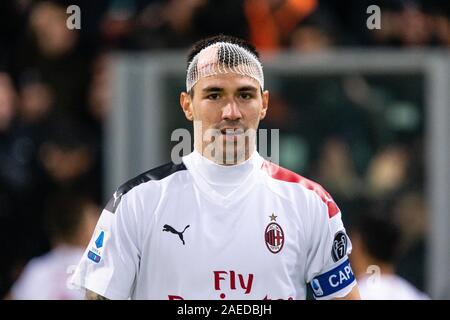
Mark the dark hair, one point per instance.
(202, 44)
(64, 215)
(379, 233)
(69, 134)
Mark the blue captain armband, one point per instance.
(338, 278)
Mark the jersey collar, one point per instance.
(223, 184)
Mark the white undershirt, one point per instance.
(223, 179)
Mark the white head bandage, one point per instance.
(223, 57)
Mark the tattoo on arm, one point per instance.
(90, 295)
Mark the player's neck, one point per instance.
(386, 268)
(224, 161)
(216, 174)
(382, 267)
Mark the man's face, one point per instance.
(226, 110)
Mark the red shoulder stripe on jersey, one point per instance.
(283, 174)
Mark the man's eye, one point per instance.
(246, 96)
(213, 96)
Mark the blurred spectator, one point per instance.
(415, 30)
(411, 215)
(7, 102)
(117, 21)
(21, 176)
(317, 32)
(271, 22)
(310, 39)
(99, 94)
(39, 159)
(53, 51)
(22, 121)
(48, 23)
(36, 100)
(376, 240)
(69, 157)
(336, 170)
(387, 171)
(70, 222)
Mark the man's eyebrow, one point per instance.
(248, 88)
(220, 89)
(212, 89)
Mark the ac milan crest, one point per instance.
(274, 236)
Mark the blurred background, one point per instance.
(366, 113)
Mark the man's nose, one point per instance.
(231, 111)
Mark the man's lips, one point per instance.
(232, 131)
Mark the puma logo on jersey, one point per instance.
(168, 228)
(113, 203)
(116, 197)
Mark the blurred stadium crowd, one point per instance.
(54, 98)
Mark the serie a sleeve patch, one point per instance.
(332, 281)
(97, 245)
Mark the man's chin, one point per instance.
(232, 138)
(228, 150)
(234, 156)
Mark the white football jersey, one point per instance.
(47, 277)
(388, 287)
(198, 230)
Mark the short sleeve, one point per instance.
(328, 269)
(110, 263)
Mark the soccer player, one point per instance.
(70, 222)
(376, 241)
(225, 223)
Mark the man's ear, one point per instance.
(186, 105)
(265, 104)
